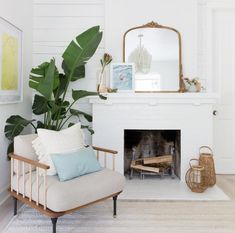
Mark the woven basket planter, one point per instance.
(195, 177)
(206, 160)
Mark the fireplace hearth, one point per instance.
(152, 152)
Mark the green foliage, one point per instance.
(40, 105)
(79, 52)
(78, 114)
(88, 128)
(52, 87)
(78, 73)
(15, 125)
(79, 94)
(45, 79)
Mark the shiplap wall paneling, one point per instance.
(57, 22)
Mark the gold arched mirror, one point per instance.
(156, 52)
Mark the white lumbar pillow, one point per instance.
(51, 142)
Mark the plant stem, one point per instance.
(62, 101)
(44, 118)
(65, 122)
(35, 128)
(70, 106)
(49, 120)
(101, 77)
(45, 121)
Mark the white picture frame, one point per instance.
(11, 81)
(122, 77)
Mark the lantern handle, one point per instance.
(191, 161)
(205, 147)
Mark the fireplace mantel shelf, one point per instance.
(156, 98)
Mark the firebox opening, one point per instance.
(152, 152)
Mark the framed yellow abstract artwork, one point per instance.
(10, 63)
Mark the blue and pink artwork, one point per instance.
(122, 77)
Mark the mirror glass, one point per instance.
(156, 55)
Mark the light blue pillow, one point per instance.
(74, 164)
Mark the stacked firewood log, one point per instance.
(153, 165)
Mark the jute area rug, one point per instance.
(135, 217)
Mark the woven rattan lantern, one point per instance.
(195, 177)
(206, 160)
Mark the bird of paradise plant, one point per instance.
(52, 86)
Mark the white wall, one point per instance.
(20, 14)
(181, 14)
(57, 22)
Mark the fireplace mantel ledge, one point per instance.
(156, 98)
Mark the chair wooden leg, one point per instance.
(115, 206)
(54, 221)
(15, 205)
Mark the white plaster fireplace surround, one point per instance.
(189, 112)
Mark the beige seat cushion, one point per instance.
(62, 196)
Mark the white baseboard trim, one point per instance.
(4, 195)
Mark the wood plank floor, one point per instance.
(225, 182)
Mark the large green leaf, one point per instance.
(63, 80)
(15, 125)
(40, 105)
(45, 78)
(82, 49)
(78, 113)
(41, 69)
(78, 73)
(79, 94)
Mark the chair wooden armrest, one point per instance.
(29, 161)
(105, 150)
(113, 153)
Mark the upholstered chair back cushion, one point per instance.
(23, 147)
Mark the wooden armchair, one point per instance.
(34, 190)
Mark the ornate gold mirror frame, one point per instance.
(156, 25)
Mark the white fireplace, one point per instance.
(191, 113)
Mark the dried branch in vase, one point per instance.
(105, 61)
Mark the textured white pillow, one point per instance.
(51, 142)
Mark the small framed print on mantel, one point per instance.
(122, 77)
